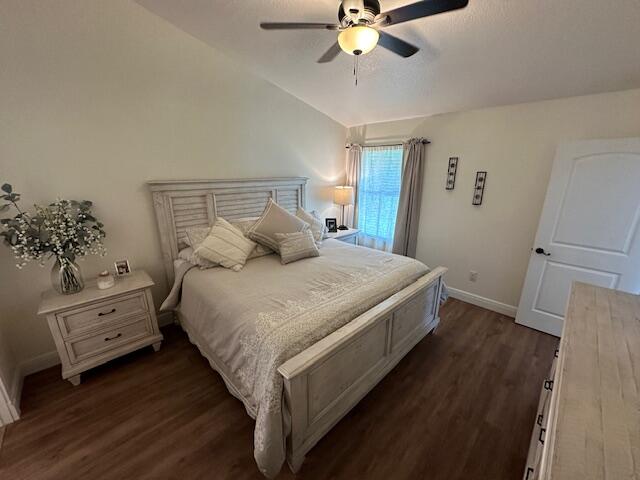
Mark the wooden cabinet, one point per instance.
(94, 326)
(539, 433)
(588, 421)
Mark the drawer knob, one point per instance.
(529, 472)
(101, 314)
(540, 439)
(548, 385)
(108, 339)
(539, 420)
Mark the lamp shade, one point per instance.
(358, 40)
(343, 195)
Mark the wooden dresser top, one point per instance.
(597, 420)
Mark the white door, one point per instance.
(587, 230)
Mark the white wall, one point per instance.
(516, 145)
(99, 96)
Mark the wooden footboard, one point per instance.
(329, 378)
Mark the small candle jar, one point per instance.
(105, 280)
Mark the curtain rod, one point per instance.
(348, 146)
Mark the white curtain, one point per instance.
(354, 165)
(378, 195)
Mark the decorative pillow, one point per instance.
(315, 224)
(189, 255)
(195, 236)
(275, 219)
(296, 246)
(185, 254)
(226, 246)
(244, 224)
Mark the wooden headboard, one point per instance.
(180, 204)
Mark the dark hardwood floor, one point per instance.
(461, 405)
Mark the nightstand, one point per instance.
(348, 236)
(94, 326)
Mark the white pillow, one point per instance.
(226, 246)
(315, 224)
(185, 254)
(195, 236)
(275, 219)
(190, 256)
(244, 224)
(296, 246)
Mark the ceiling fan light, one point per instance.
(358, 40)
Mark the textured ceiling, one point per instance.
(494, 52)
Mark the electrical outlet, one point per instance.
(473, 275)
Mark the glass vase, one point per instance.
(66, 277)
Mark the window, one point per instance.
(379, 191)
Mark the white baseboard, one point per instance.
(15, 395)
(41, 362)
(51, 359)
(27, 367)
(493, 305)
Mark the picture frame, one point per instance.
(452, 169)
(332, 224)
(478, 189)
(122, 268)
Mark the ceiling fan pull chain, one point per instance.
(356, 68)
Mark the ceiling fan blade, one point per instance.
(396, 45)
(422, 9)
(330, 54)
(297, 26)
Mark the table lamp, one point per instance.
(343, 196)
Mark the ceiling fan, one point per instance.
(360, 25)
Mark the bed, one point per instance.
(298, 344)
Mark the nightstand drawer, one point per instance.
(81, 320)
(83, 348)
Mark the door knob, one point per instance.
(540, 251)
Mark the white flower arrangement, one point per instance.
(65, 229)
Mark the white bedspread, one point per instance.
(256, 319)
